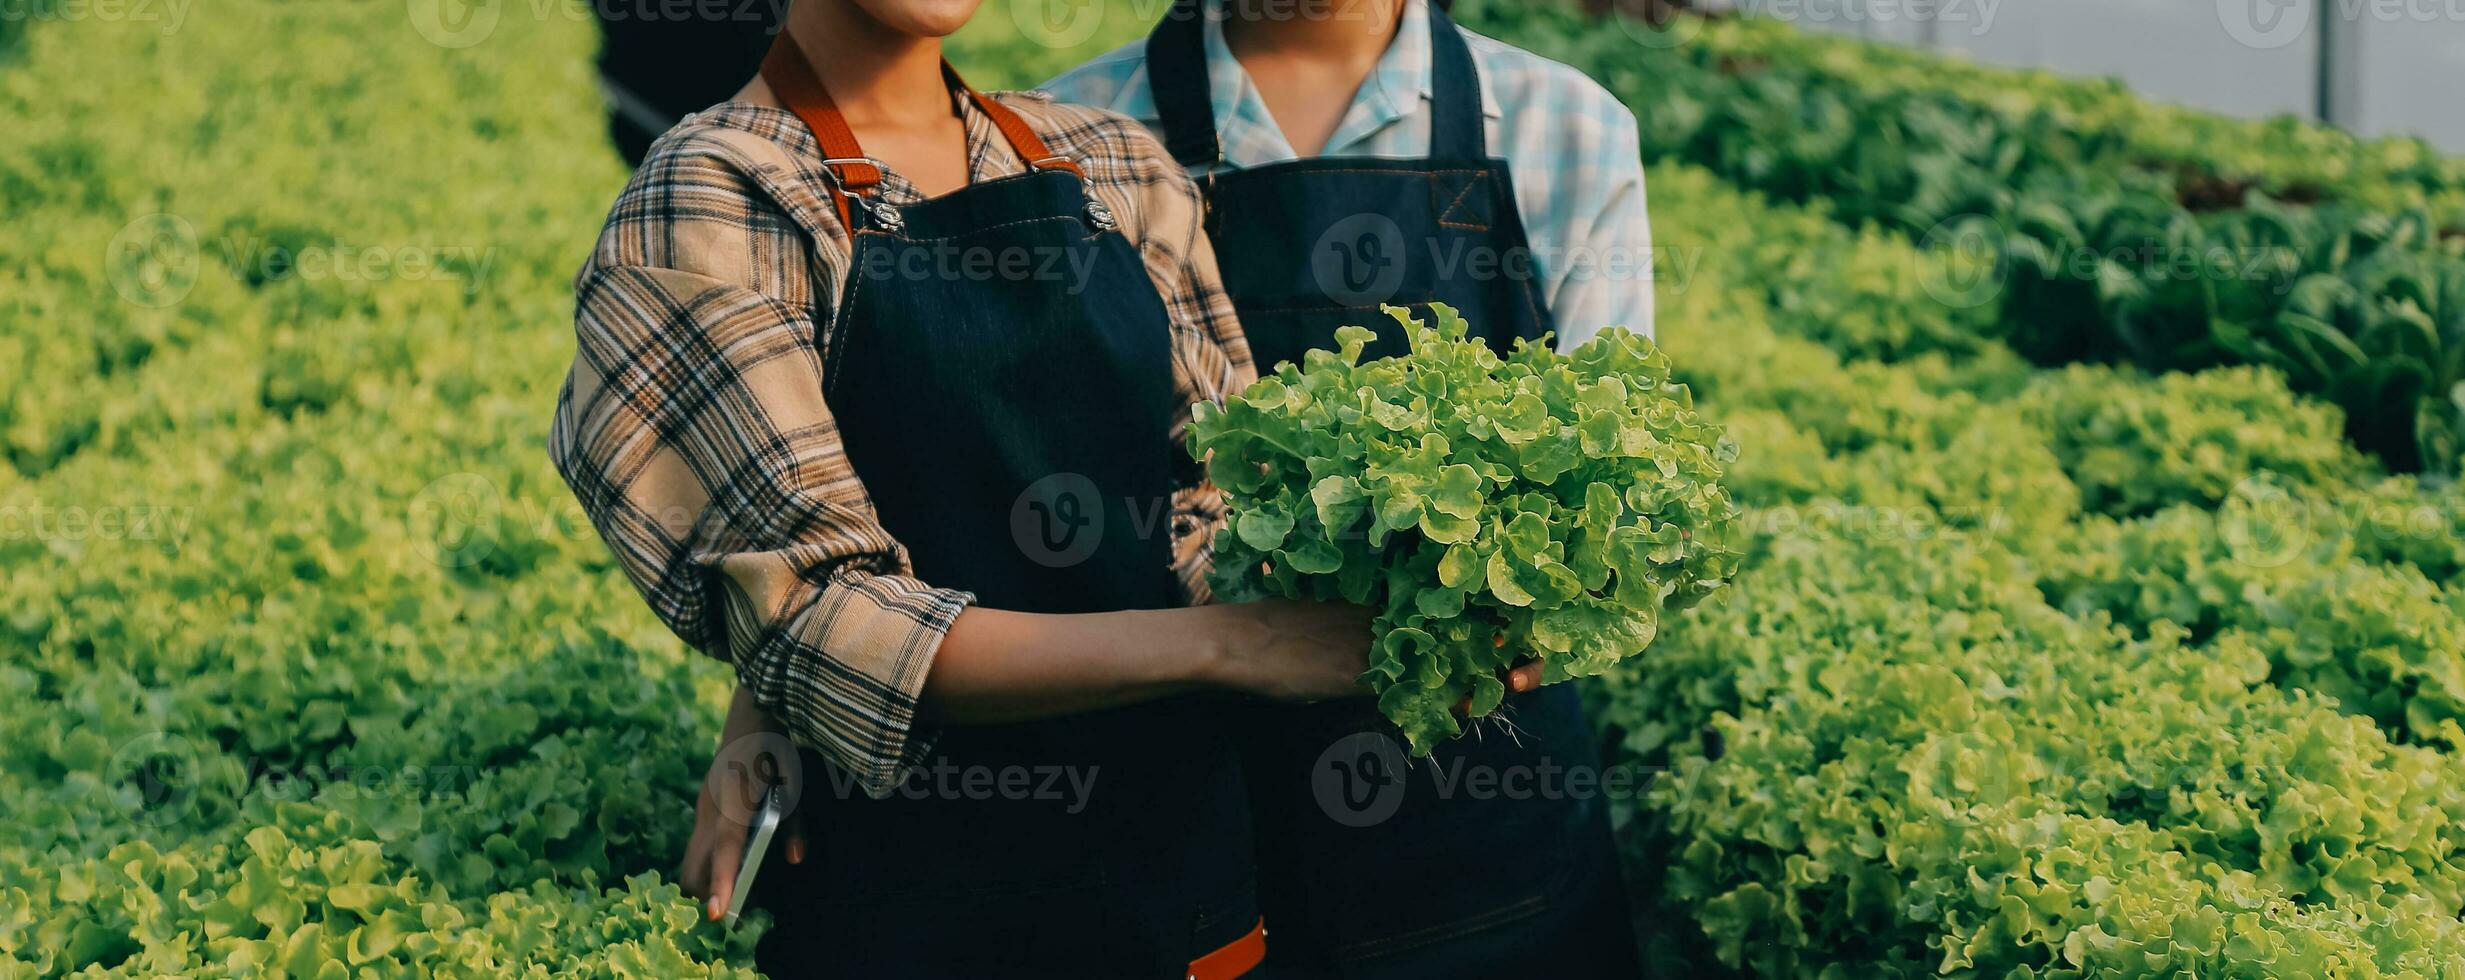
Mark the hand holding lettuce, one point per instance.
(1560, 502)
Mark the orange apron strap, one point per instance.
(789, 73)
(1239, 957)
(790, 76)
(1023, 139)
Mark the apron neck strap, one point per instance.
(1177, 76)
(790, 75)
(1185, 100)
(1456, 131)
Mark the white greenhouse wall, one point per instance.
(2372, 66)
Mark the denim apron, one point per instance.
(1459, 880)
(1010, 423)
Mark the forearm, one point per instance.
(998, 666)
(991, 666)
(744, 719)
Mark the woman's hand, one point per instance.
(754, 755)
(1524, 676)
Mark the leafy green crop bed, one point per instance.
(311, 663)
(2065, 673)
(313, 666)
(2119, 231)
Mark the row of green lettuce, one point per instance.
(2033, 673)
(313, 669)
(2116, 230)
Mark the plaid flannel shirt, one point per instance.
(1571, 147)
(693, 429)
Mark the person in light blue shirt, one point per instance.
(1360, 154)
(1571, 146)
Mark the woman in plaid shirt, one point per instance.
(878, 397)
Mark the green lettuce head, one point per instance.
(1543, 504)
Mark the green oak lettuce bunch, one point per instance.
(1487, 508)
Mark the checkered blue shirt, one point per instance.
(1570, 146)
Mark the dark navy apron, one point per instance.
(1458, 880)
(1010, 425)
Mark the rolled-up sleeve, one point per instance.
(693, 430)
